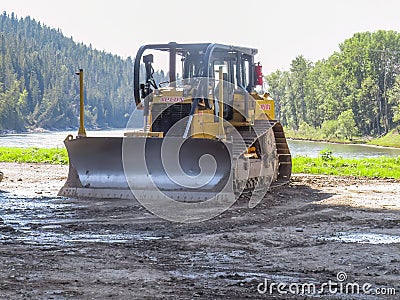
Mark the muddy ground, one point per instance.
(306, 233)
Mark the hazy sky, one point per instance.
(280, 29)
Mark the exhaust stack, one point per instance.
(81, 131)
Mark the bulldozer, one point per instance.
(209, 131)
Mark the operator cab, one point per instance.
(193, 72)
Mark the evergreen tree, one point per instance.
(37, 64)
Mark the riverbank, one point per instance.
(390, 140)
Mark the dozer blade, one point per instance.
(187, 170)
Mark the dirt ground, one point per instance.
(314, 231)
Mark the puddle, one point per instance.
(22, 212)
(234, 276)
(47, 222)
(110, 238)
(363, 238)
(48, 237)
(53, 238)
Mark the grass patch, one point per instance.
(326, 163)
(57, 156)
(392, 139)
(381, 167)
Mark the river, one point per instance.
(306, 148)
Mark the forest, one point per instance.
(354, 92)
(38, 85)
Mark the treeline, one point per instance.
(38, 85)
(355, 92)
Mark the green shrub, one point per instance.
(326, 154)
